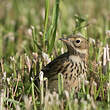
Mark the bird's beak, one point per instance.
(65, 40)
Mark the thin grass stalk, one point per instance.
(95, 92)
(60, 83)
(108, 92)
(21, 62)
(34, 38)
(83, 86)
(41, 88)
(46, 20)
(68, 101)
(2, 101)
(54, 22)
(2, 65)
(1, 45)
(108, 95)
(33, 96)
(108, 59)
(14, 67)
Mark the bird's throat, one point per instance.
(75, 58)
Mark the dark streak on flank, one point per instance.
(85, 64)
(59, 70)
(77, 70)
(72, 63)
(66, 66)
(63, 71)
(72, 70)
(83, 71)
(70, 77)
(75, 66)
(66, 75)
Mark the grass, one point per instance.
(29, 33)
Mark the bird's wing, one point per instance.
(53, 68)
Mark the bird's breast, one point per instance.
(75, 69)
(71, 67)
(75, 59)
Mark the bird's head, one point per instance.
(77, 45)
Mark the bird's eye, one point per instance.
(77, 41)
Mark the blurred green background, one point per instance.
(18, 16)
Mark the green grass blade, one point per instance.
(54, 23)
(46, 20)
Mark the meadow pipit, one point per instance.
(71, 64)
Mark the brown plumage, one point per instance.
(71, 64)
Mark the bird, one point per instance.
(72, 64)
